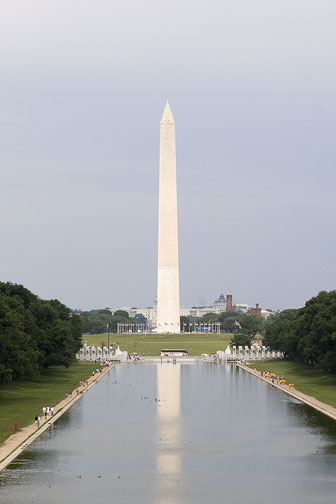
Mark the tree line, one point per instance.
(99, 321)
(243, 326)
(308, 334)
(34, 333)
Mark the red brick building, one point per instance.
(229, 305)
(254, 311)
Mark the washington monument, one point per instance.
(168, 291)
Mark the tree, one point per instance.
(309, 334)
(314, 330)
(95, 321)
(119, 319)
(227, 320)
(241, 339)
(121, 313)
(139, 318)
(210, 318)
(277, 336)
(251, 324)
(34, 333)
(6, 374)
(229, 324)
(184, 320)
(19, 357)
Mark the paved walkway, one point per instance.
(17, 442)
(311, 401)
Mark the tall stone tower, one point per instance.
(168, 291)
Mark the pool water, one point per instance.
(179, 433)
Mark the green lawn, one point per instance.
(306, 379)
(21, 401)
(151, 344)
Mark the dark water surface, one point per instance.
(185, 433)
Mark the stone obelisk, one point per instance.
(168, 292)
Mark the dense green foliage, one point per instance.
(241, 338)
(96, 321)
(309, 334)
(34, 334)
(209, 318)
(251, 326)
(227, 320)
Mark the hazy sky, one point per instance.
(251, 84)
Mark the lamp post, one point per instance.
(108, 339)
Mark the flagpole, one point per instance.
(108, 339)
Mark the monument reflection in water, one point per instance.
(169, 429)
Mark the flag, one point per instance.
(237, 324)
(108, 326)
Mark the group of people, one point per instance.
(280, 380)
(47, 410)
(98, 370)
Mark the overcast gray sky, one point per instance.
(251, 84)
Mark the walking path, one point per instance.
(326, 409)
(17, 442)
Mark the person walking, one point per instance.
(52, 411)
(44, 410)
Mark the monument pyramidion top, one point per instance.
(167, 116)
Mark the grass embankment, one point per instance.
(152, 344)
(306, 379)
(21, 401)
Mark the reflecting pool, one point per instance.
(179, 433)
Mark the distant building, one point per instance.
(221, 305)
(229, 305)
(184, 312)
(242, 307)
(150, 312)
(254, 311)
(266, 313)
